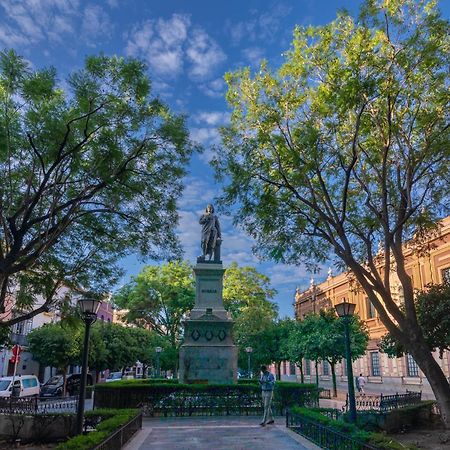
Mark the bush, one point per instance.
(185, 397)
(377, 439)
(109, 421)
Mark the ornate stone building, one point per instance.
(384, 374)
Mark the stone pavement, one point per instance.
(218, 433)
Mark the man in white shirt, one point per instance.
(361, 383)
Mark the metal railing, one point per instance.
(325, 393)
(120, 437)
(383, 403)
(34, 405)
(325, 437)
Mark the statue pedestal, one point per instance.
(208, 354)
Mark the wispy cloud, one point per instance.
(260, 27)
(253, 55)
(214, 88)
(213, 118)
(170, 45)
(30, 22)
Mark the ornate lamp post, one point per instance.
(89, 308)
(345, 310)
(249, 351)
(158, 351)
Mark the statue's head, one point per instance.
(209, 208)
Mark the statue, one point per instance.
(211, 235)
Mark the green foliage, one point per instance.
(54, 345)
(346, 147)
(91, 170)
(158, 297)
(111, 420)
(379, 440)
(433, 313)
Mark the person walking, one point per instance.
(267, 383)
(361, 383)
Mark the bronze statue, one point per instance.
(211, 235)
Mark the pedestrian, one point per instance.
(361, 383)
(267, 382)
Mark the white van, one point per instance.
(24, 386)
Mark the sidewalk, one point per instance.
(219, 433)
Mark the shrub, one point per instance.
(109, 421)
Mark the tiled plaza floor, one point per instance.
(216, 433)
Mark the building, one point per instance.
(384, 374)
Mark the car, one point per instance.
(54, 386)
(24, 386)
(114, 376)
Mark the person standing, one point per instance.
(267, 383)
(361, 383)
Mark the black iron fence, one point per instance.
(34, 405)
(325, 437)
(383, 403)
(120, 437)
(324, 393)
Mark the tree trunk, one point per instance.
(436, 378)
(302, 375)
(278, 370)
(333, 376)
(64, 373)
(316, 368)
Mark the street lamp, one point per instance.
(158, 351)
(249, 351)
(345, 310)
(89, 307)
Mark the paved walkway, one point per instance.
(218, 433)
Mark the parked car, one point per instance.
(114, 376)
(24, 386)
(54, 386)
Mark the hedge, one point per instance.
(229, 399)
(379, 440)
(109, 421)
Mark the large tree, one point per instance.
(90, 169)
(55, 345)
(158, 297)
(345, 150)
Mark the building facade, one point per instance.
(384, 374)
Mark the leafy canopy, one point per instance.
(90, 171)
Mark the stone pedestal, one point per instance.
(208, 354)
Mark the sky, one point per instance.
(188, 45)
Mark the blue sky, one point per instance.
(188, 46)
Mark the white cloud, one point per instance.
(254, 55)
(30, 22)
(261, 27)
(204, 54)
(170, 45)
(96, 23)
(214, 88)
(213, 118)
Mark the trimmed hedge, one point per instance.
(379, 440)
(109, 421)
(165, 397)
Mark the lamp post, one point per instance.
(158, 351)
(89, 308)
(345, 310)
(249, 351)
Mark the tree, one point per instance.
(158, 297)
(433, 315)
(344, 150)
(295, 347)
(247, 295)
(88, 175)
(54, 345)
(271, 344)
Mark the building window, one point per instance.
(307, 367)
(446, 275)
(371, 312)
(23, 327)
(325, 368)
(375, 364)
(412, 368)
